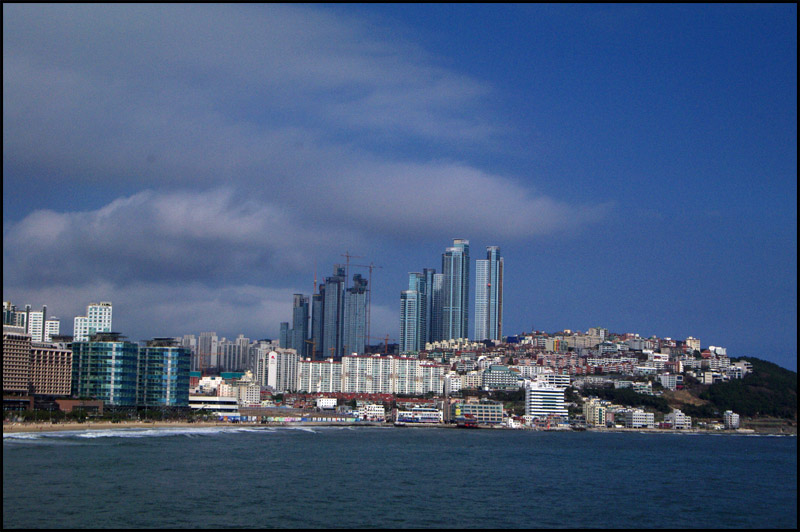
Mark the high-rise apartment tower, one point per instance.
(489, 296)
(455, 296)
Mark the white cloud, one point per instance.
(180, 236)
(266, 100)
(235, 146)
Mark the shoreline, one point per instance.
(15, 428)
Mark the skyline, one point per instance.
(198, 165)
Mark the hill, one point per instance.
(769, 391)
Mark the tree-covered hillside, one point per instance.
(769, 390)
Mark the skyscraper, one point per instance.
(489, 296)
(300, 313)
(437, 308)
(455, 311)
(427, 334)
(317, 311)
(414, 326)
(409, 321)
(354, 324)
(333, 313)
(284, 336)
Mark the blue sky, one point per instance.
(195, 165)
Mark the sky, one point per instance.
(196, 165)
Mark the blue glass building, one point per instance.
(163, 374)
(455, 297)
(106, 368)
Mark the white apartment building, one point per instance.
(453, 382)
(278, 369)
(387, 374)
(36, 325)
(472, 380)
(718, 363)
(249, 394)
(97, 319)
(744, 365)
(678, 420)
(52, 327)
(731, 420)
(656, 360)
(406, 372)
(670, 381)
(372, 374)
(319, 376)
(543, 400)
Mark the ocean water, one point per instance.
(375, 477)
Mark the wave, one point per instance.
(90, 434)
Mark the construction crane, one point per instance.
(204, 362)
(347, 257)
(313, 347)
(385, 341)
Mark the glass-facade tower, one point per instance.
(163, 374)
(299, 331)
(455, 310)
(409, 321)
(106, 368)
(354, 327)
(489, 296)
(333, 313)
(414, 312)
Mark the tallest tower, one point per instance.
(489, 296)
(455, 296)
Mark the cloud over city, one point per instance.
(237, 144)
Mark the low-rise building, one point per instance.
(678, 420)
(326, 403)
(498, 377)
(420, 415)
(636, 418)
(731, 420)
(670, 381)
(214, 404)
(372, 412)
(485, 412)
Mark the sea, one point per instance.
(392, 477)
